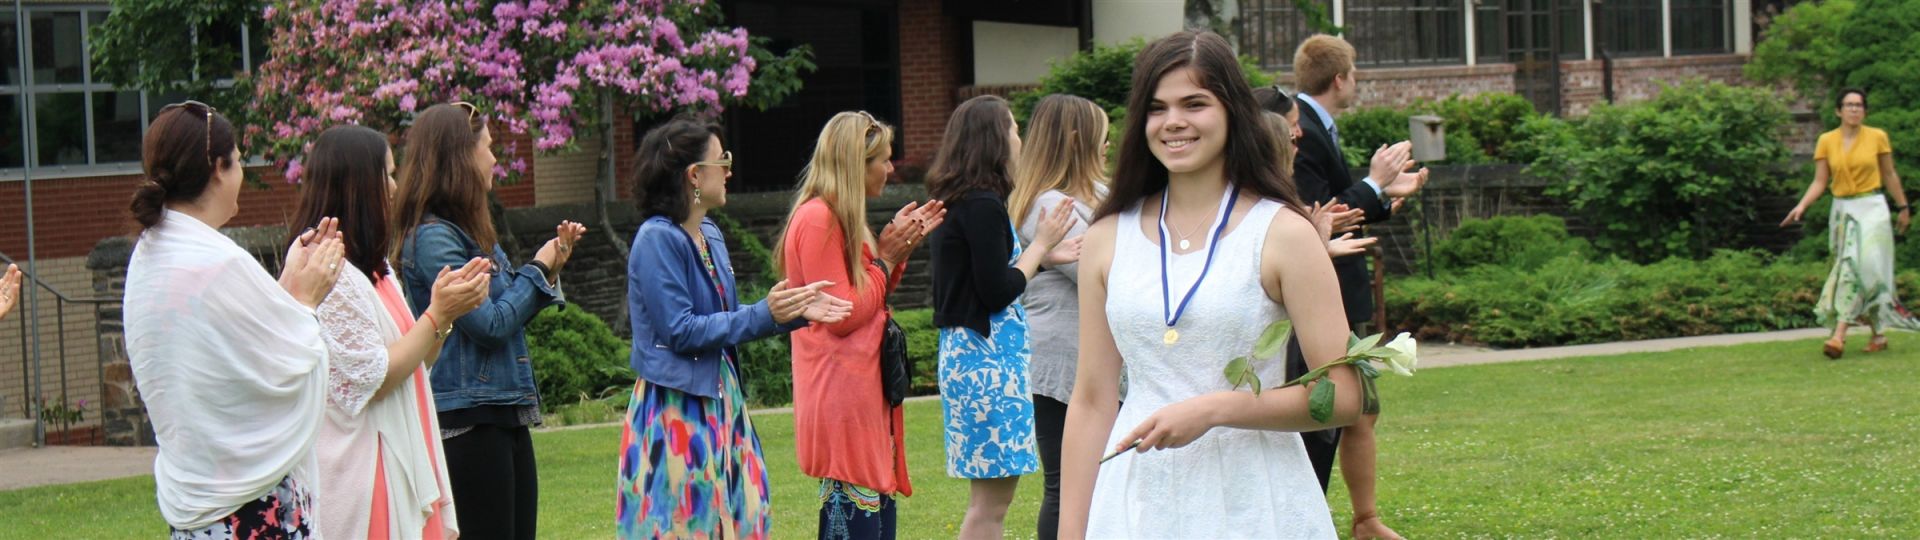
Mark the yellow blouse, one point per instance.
(1855, 170)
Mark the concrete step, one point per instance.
(15, 433)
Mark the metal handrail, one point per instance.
(30, 362)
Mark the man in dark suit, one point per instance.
(1323, 69)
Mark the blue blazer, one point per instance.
(681, 325)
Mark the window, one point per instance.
(76, 124)
(1512, 30)
(1629, 28)
(1406, 32)
(1706, 24)
(1271, 29)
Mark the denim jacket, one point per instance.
(681, 325)
(484, 361)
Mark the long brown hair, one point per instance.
(837, 175)
(1060, 152)
(183, 149)
(346, 178)
(975, 154)
(440, 177)
(1252, 161)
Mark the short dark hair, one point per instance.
(664, 155)
(346, 178)
(1841, 100)
(178, 158)
(975, 154)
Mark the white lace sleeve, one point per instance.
(357, 353)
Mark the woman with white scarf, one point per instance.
(231, 364)
(379, 447)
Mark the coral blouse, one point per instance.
(843, 428)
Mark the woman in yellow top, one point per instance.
(1858, 163)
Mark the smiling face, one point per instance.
(1186, 124)
(878, 169)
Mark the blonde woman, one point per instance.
(1064, 158)
(847, 434)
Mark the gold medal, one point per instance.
(1172, 337)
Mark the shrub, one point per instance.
(1671, 176)
(1571, 301)
(1519, 243)
(1480, 128)
(575, 357)
(923, 349)
(1879, 46)
(1801, 48)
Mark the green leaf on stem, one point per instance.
(1272, 340)
(1240, 372)
(1320, 402)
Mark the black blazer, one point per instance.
(1321, 173)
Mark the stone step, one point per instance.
(15, 433)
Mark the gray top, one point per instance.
(1053, 306)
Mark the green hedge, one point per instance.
(1480, 128)
(575, 357)
(1515, 299)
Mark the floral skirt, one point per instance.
(286, 513)
(986, 404)
(850, 512)
(1860, 287)
(690, 467)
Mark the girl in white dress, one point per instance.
(1204, 234)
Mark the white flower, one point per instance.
(1401, 354)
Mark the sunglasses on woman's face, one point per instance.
(205, 110)
(725, 162)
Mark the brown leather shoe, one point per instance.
(1834, 349)
(1878, 344)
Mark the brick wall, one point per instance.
(1636, 79)
(929, 73)
(1394, 87)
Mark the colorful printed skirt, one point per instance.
(985, 401)
(850, 512)
(1860, 288)
(286, 513)
(690, 467)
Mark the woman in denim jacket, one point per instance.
(483, 384)
(690, 462)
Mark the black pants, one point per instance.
(1049, 420)
(494, 483)
(1321, 445)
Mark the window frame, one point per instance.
(27, 91)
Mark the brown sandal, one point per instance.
(1878, 344)
(1834, 350)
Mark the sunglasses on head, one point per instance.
(205, 110)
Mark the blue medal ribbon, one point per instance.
(1167, 310)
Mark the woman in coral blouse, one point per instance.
(1856, 162)
(847, 434)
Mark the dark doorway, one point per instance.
(1533, 32)
(855, 43)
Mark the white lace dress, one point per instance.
(1231, 483)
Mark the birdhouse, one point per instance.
(1429, 136)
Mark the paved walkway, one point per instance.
(69, 464)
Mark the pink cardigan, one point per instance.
(843, 428)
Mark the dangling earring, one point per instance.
(696, 195)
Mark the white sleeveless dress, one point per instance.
(1231, 483)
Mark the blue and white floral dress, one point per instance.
(986, 405)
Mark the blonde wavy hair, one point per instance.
(837, 174)
(1061, 152)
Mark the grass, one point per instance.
(1767, 440)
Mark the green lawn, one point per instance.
(1767, 440)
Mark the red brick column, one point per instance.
(929, 73)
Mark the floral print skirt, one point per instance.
(986, 404)
(285, 513)
(691, 467)
(1860, 287)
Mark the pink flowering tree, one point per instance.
(546, 68)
